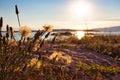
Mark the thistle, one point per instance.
(25, 31)
(48, 27)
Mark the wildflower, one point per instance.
(25, 31)
(48, 27)
(56, 55)
(60, 56)
(67, 59)
(35, 63)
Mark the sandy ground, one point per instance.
(79, 54)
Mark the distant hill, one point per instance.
(109, 29)
(74, 30)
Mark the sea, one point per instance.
(82, 33)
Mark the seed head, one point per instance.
(1, 22)
(55, 55)
(16, 9)
(7, 28)
(11, 29)
(48, 27)
(25, 31)
(67, 59)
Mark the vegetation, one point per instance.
(103, 44)
(108, 45)
(97, 72)
(24, 59)
(16, 57)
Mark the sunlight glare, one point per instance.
(80, 34)
(80, 8)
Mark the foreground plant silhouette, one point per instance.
(15, 56)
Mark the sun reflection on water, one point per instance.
(80, 34)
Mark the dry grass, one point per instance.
(108, 45)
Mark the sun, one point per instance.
(80, 8)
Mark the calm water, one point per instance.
(79, 34)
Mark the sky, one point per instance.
(67, 14)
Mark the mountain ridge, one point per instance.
(109, 29)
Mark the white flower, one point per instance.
(25, 31)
